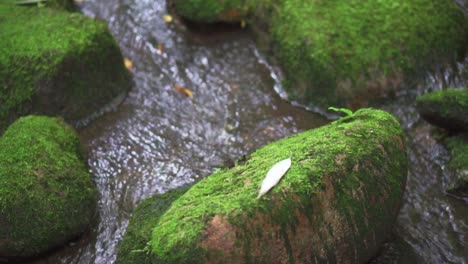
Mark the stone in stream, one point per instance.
(448, 109)
(337, 53)
(445, 108)
(55, 62)
(47, 196)
(458, 164)
(336, 204)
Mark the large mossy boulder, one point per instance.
(445, 108)
(46, 193)
(56, 63)
(458, 164)
(336, 204)
(347, 52)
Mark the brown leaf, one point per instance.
(184, 91)
(160, 48)
(128, 64)
(243, 23)
(167, 18)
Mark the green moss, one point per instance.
(135, 247)
(68, 5)
(337, 52)
(55, 62)
(46, 192)
(445, 108)
(211, 10)
(363, 149)
(458, 146)
(337, 47)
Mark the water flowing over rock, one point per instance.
(342, 52)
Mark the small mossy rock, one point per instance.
(347, 52)
(458, 164)
(445, 108)
(336, 204)
(68, 5)
(46, 193)
(134, 248)
(54, 62)
(209, 11)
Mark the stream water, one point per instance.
(159, 139)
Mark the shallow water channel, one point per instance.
(159, 139)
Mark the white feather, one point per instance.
(274, 175)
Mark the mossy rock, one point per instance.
(458, 164)
(210, 11)
(337, 203)
(134, 248)
(445, 108)
(347, 52)
(54, 62)
(46, 193)
(68, 5)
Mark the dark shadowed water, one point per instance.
(159, 139)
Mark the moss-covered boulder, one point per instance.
(56, 63)
(346, 52)
(134, 248)
(336, 204)
(445, 108)
(46, 193)
(458, 164)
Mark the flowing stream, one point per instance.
(159, 138)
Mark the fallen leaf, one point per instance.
(128, 64)
(243, 24)
(234, 87)
(167, 18)
(274, 175)
(160, 48)
(184, 91)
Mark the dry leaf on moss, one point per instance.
(274, 175)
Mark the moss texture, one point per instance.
(348, 52)
(46, 193)
(458, 146)
(445, 108)
(210, 11)
(56, 63)
(336, 203)
(134, 248)
(68, 5)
